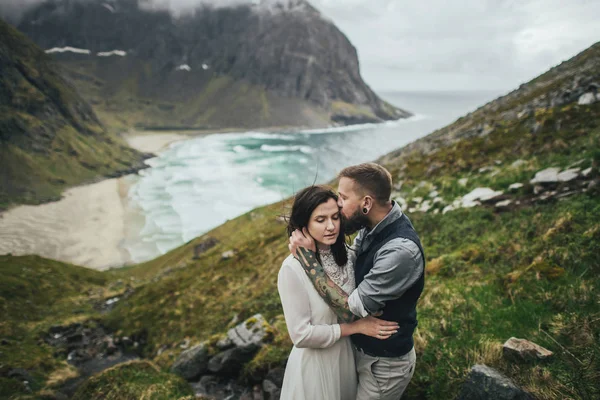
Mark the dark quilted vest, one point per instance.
(402, 310)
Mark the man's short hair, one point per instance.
(372, 179)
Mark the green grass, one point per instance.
(50, 139)
(530, 273)
(482, 289)
(134, 380)
(36, 293)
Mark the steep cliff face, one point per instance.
(49, 136)
(269, 64)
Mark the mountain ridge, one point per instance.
(50, 137)
(283, 55)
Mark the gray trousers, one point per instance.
(383, 378)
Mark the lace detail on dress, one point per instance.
(341, 276)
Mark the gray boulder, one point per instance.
(587, 98)
(230, 362)
(271, 390)
(485, 383)
(192, 363)
(524, 350)
(569, 175)
(546, 176)
(253, 331)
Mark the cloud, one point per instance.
(440, 44)
(467, 44)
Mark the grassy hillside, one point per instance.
(127, 92)
(530, 271)
(50, 138)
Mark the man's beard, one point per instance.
(356, 222)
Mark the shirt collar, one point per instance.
(393, 215)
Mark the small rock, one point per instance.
(586, 172)
(228, 254)
(425, 206)
(485, 383)
(192, 363)
(587, 98)
(569, 175)
(524, 349)
(503, 204)
(230, 362)
(162, 349)
(547, 195)
(537, 189)
(110, 302)
(224, 343)
(463, 181)
(480, 194)
(448, 208)
(433, 194)
(276, 376)
(272, 391)
(20, 374)
(548, 175)
(485, 169)
(204, 246)
(515, 186)
(206, 385)
(576, 163)
(517, 163)
(254, 331)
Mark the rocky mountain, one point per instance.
(259, 64)
(50, 138)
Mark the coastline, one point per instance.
(90, 224)
(85, 227)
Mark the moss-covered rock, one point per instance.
(134, 380)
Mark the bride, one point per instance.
(321, 364)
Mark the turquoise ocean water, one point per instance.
(197, 184)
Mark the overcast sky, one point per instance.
(463, 44)
(455, 44)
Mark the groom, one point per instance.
(389, 267)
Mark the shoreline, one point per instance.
(90, 224)
(86, 227)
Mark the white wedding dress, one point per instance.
(321, 364)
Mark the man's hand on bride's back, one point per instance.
(377, 328)
(301, 239)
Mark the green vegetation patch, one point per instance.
(134, 380)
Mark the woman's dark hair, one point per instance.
(305, 203)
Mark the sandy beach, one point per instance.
(89, 225)
(152, 142)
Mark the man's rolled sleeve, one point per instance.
(396, 267)
(356, 306)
